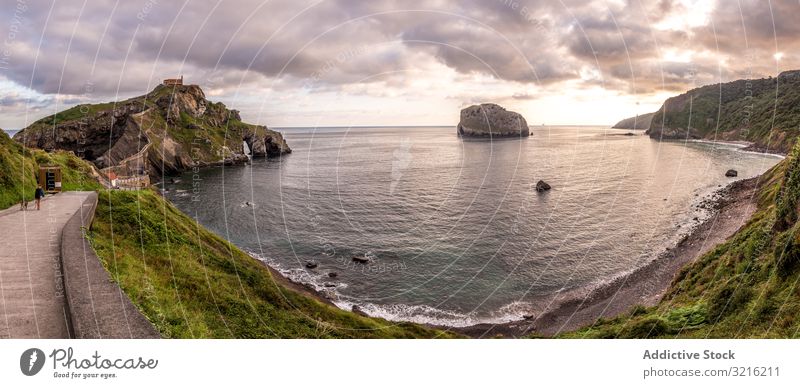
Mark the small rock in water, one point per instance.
(356, 309)
(311, 264)
(542, 186)
(361, 259)
(332, 274)
(731, 173)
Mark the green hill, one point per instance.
(764, 111)
(192, 284)
(636, 122)
(170, 129)
(744, 288)
(18, 167)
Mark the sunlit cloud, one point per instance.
(303, 62)
(686, 15)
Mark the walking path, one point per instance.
(32, 303)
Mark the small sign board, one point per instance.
(50, 178)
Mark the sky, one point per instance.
(286, 63)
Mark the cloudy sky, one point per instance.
(389, 62)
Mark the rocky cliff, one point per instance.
(170, 129)
(636, 122)
(491, 120)
(763, 111)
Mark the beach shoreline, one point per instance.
(731, 207)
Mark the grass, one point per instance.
(17, 173)
(747, 287)
(191, 283)
(18, 168)
(75, 113)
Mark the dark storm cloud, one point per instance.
(102, 48)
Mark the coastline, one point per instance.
(727, 209)
(297, 287)
(731, 207)
(744, 146)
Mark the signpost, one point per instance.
(50, 178)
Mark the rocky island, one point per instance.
(171, 129)
(491, 120)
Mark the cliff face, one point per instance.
(168, 130)
(636, 122)
(765, 112)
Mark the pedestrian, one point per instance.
(38, 195)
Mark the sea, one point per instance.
(454, 229)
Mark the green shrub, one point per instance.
(786, 253)
(683, 318)
(638, 310)
(646, 328)
(767, 309)
(730, 298)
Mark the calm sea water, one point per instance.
(456, 232)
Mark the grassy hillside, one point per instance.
(636, 122)
(745, 287)
(18, 168)
(192, 284)
(763, 111)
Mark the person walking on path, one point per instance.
(38, 195)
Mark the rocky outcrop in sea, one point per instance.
(491, 120)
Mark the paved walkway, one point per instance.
(32, 303)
